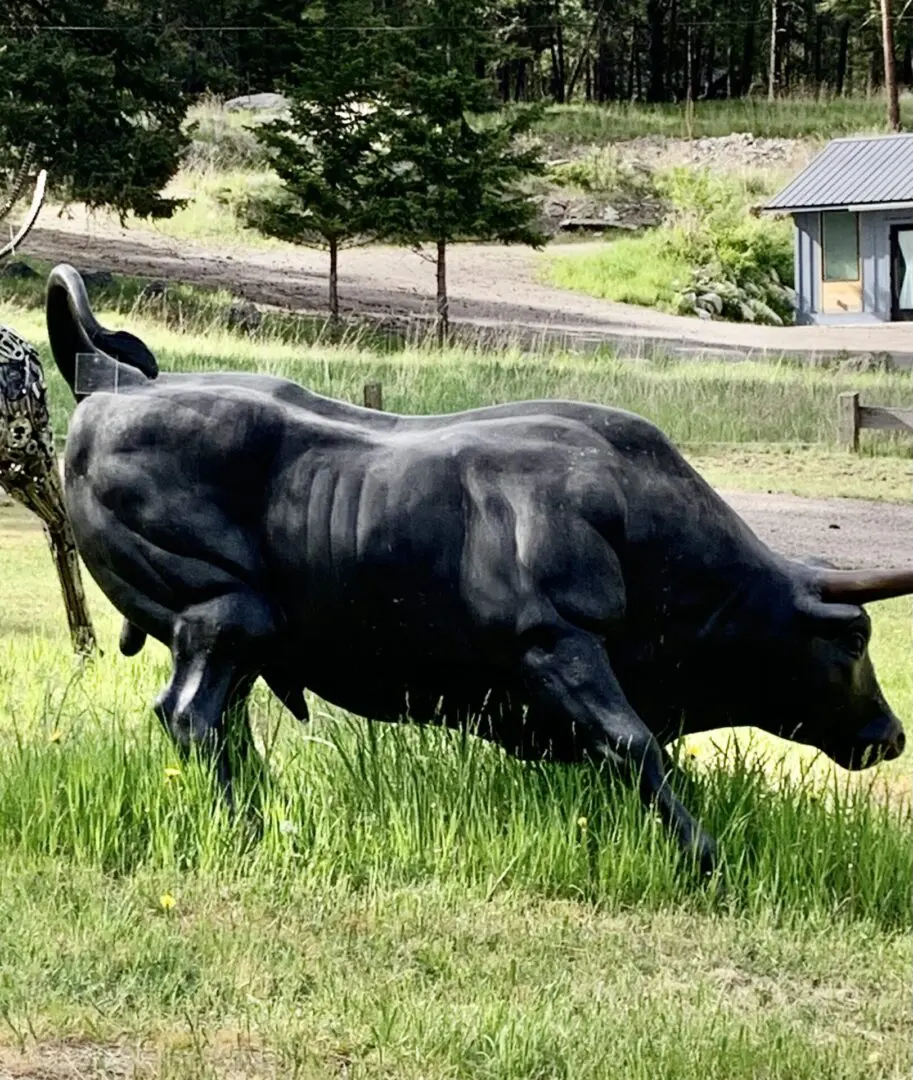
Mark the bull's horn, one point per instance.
(31, 218)
(122, 359)
(863, 586)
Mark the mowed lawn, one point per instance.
(419, 905)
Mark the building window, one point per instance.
(840, 241)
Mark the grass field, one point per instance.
(420, 906)
(696, 403)
(788, 118)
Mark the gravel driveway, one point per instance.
(493, 289)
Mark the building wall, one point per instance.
(875, 257)
(807, 267)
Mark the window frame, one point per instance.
(821, 224)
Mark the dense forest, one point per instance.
(97, 91)
(552, 50)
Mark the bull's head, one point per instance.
(815, 682)
(28, 464)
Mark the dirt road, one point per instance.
(494, 290)
(489, 286)
(848, 532)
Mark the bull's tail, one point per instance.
(109, 358)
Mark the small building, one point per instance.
(853, 211)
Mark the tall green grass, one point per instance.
(377, 807)
(788, 118)
(693, 402)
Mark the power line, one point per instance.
(63, 28)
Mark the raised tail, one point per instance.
(88, 356)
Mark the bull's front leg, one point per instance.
(217, 650)
(569, 676)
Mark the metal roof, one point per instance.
(857, 172)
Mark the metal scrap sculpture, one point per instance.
(12, 196)
(28, 464)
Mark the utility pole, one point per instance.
(890, 80)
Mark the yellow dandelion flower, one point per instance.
(171, 772)
(581, 823)
(167, 901)
(56, 735)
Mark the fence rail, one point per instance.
(853, 418)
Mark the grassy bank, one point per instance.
(788, 118)
(696, 403)
(422, 906)
(707, 243)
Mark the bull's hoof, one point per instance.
(705, 855)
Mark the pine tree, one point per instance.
(452, 175)
(326, 151)
(103, 107)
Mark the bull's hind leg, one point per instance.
(217, 649)
(569, 675)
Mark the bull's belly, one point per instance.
(479, 699)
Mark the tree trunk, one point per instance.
(562, 63)
(772, 61)
(632, 64)
(871, 78)
(443, 305)
(746, 70)
(603, 91)
(842, 56)
(656, 19)
(711, 66)
(334, 282)
(890, 82)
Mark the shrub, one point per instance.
(604, 172)
(222, 141)
(738, 263)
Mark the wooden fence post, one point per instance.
(374, 397)
(848, 420)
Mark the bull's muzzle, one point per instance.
(882, 740)
(30, 474)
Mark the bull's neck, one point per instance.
(706, 568)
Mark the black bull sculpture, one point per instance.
(554, 572)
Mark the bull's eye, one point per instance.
(856, 644)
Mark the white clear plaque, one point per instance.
(95, 373)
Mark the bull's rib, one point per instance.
(31, 217)
(18, 185)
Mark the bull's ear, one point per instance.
(128, 349)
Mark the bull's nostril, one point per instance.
(900, 742)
